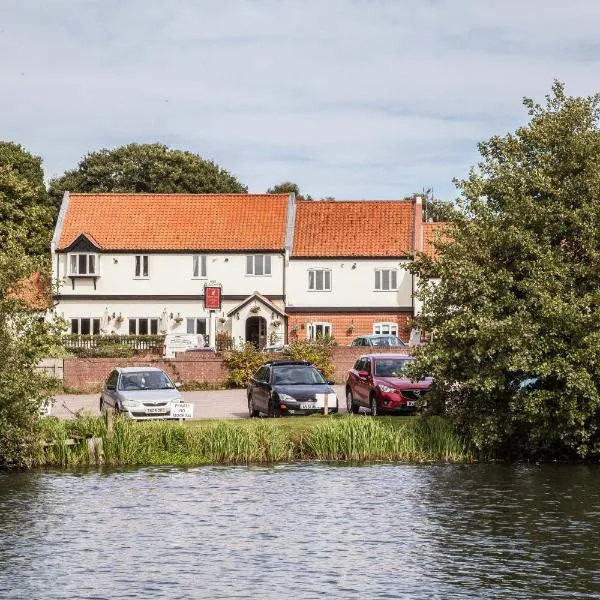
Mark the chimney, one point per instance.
(418, 224)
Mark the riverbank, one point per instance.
(332, 438)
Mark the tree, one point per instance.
(24, 204)
(518, 294)
(150, 168)
(287, 187)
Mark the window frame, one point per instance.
(312, 326)
(93, 325)
(90, 257)
(379, 275)
(393, 328)
(324, 273)
(141, 267)
(151, 324)
(199, 266)
(251, 264)
(194, 322)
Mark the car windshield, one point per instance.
(392, 367)
(388, 340)
(296, 375)
(145, 380)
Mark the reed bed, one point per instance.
(335, 438)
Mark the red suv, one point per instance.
(378, 382)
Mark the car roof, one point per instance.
(137, 369)
(387, 355)
(279, 362)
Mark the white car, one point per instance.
(144, 393)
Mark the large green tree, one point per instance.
(518, 293)
(287, 187)
(24, 205)
(152, 168)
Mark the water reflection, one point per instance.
(302, 531)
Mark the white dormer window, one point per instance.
(83, 265)
(199, 266)
(142, 270)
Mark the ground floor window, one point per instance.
(143, 326)
(85, 326)
(385, 328)
(318, 330)
(196, 325)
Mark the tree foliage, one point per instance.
(24, 204)
(288, 187)
(519, 289)
(149, 168)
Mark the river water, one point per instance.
(305, 530)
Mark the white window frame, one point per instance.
(92, 259)
(392, 280)
(385, 328)
(199, 266)
(253, 261)
(149, 322)
(193, 321)
(93, 321)
(141, 267)
(313, 276)
(326, 329)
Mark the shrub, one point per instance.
(316, 352)
(243, 364)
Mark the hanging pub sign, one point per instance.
(212, 297)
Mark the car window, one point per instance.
(296, 375)
(111, 382)
(391, 367)
(262, 374)
(144, 380)
(368, 365)
(356, 366)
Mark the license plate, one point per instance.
(411, 403)
(158, 410)
(306, 405)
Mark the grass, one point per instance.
(333, 438)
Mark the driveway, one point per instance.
(214, 404)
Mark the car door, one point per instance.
(109, 392)
(261, 390)
(362, 386)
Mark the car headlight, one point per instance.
(286, 398)
(131, 403)
(387, 389)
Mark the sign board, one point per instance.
(182, 410)
(181, 342)
(212, 297)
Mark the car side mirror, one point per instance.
(110, 387)
(330, 382)
(363, 374)
(178, 384)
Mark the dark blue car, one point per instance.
(289, 387)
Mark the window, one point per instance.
(385, 328)
(83, 264)
(141, 266)
(258, 264)
(111, 382)
(199, 266)
(386, 279)
(319, 279)
(143, 326)
(318, 330)
(85, 326)
(196, 326)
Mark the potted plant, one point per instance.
(222, 320)
(119, 319)
(276, 323)
(350, 329)
(255, 309)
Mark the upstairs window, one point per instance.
(199, 266)
(83, 265)
(386, 279)
(258, 264)
(141, 266)
(319, 280)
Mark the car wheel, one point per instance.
(374, 411)
(251, 410)
(272, 411)
(350, 406)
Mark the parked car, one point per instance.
(143, 393)
(389, 341)
(292, 387)
(379, 382)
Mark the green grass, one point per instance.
(333, 438)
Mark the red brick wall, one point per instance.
(342, 322)
(89, 373)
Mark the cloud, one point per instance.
(349, 98)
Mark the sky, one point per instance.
(348, 98)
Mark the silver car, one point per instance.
(140, 393)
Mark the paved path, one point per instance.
(214, 404)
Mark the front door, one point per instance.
(256, 331)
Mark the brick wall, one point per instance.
(345, 325)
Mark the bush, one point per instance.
(243, 364)
(316, 352)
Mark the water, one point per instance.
(302, 531)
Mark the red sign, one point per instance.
(212, 297)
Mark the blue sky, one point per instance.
(349, 98)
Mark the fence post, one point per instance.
(326, 405)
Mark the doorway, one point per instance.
(256, 331)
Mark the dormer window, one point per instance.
(83, 265)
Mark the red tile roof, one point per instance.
(432, 232)
(177, 221)
(353, 228)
